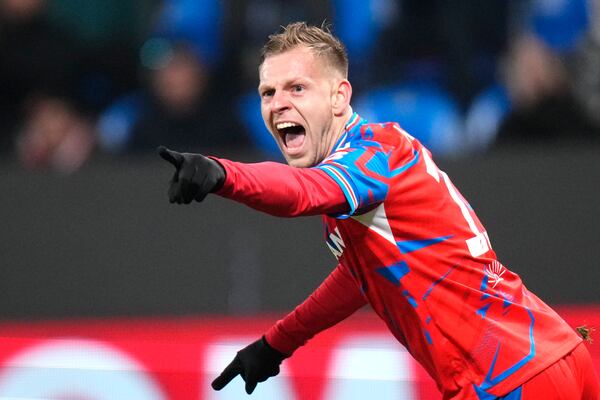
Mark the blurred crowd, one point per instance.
(80, 78)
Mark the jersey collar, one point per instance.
(350, 129)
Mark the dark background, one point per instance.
(106, 241)
(505, 93)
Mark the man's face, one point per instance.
(297, 89)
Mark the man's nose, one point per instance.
(280, 102)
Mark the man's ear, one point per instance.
(340, 99)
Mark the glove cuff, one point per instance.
(222, 177)
(276, 354)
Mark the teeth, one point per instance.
(283, 125)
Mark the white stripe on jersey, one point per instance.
(345, 183)
(377, 221)
(461, 204)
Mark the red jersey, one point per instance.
(410, 245)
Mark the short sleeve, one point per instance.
(362, 172)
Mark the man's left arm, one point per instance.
(334, 300)
(338, 297)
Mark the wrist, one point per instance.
(220, 174)
(222, 182)
(278, 354)
(280, 341)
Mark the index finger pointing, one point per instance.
(171, 156)
(230, 372)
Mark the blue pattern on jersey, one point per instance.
(483, 288)
(406, 166)
(483, 310)
(489, 382)
(433, 285)
(394, 272)
(411, 300)
(360, 167)
(378, 164)
(342, 182)
(428, 337)
(408, 246)
(514, 395)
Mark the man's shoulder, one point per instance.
(386, 136)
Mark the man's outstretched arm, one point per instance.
(281, 190)
(334, 300)
(274, 188)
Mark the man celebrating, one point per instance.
(405, 239)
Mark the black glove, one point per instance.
(195, 176)
(255, 363)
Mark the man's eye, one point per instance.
(298, 88)
(267, 93)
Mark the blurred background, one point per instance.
(506, 94)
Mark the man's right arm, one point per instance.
(281, 190)
(270, 187)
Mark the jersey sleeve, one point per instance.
(362, 172)
(334, 300)
(281, 190)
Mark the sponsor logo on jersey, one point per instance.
(494, 272)
(335, 243)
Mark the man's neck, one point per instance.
(340, 127)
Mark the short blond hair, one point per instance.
(320, 40)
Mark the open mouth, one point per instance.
(292, 135)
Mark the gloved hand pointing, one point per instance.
(195, 176)
(254, 363)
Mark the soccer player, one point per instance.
(406, 240)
